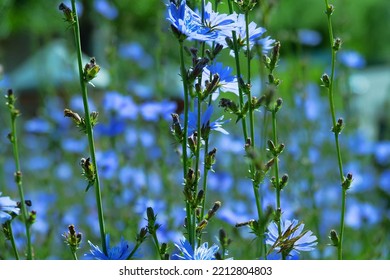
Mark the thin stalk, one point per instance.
(336, 134)
(83, 84)
(12, 239)
(18, 176)
(189, 225)
(74, 255)
(157, 244)
(238, 69)
(252, 127)
(276, 172)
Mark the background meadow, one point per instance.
(138, 88)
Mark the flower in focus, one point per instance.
(188, 24)
(227, 81)
(292, 239)
(203, 252)
(207, 126)
(222, 23)
(7, 206)
(118, 252)
(255, 34)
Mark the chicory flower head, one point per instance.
(119, 252)
(7, 206)
(203, 252)
(227, 81)
(206, 124)
(188, 24)
(222, 23)
(292, 239)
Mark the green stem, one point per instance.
(83, 84)
(238, 69)
(134, 250)
(74, 255)
(25, 215)
(252, 128)
(13, 243)
(157, 244)
(336, 135)
(189, 225)
(276, 173)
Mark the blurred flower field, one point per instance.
(268, 185)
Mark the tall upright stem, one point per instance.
(189, 224)
(18, 173)
(83, 84)
(329, 10)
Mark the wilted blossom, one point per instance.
(292, 239)
(203, 252)
(7, 206)
(119, 252)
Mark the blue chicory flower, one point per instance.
(227, 81)
(206, 124)
(119, 252)
(203, 252)
(222, 24)
(290, 230)
(188, 23)
(7, 206)
(255, 34)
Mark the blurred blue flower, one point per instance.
(359, 144)
(266, 44)
(37, 125)
(74, 145)
(309, 37)
(106, 9)
(38, 162)
(360, 214)
(203, 252)
(135, 52)
(313, 102)
(154, 110)
(7, 206)
(292, 240)
(77, 105)
(227, 81)
(121, 105)
(114, 127)
(43, 202)
(351, 59)
(221, 182)
(382, 152)
(384, 181)
(108, 163)
(119, 252)
(143, 90)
